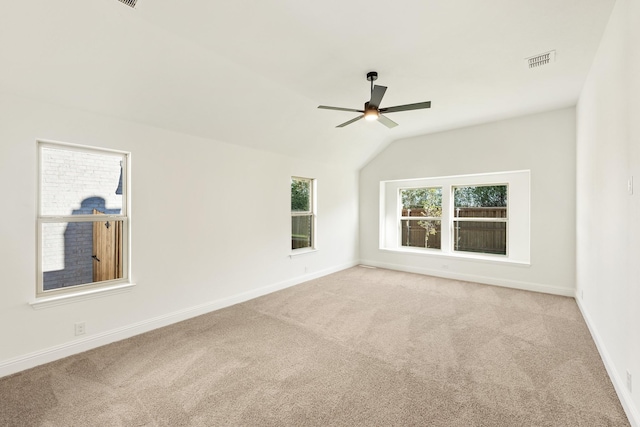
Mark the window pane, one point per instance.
(300, 195)
(76, 182)
(421, 234)
(480, 236)
(422, 202)
(76, 253)
(488, 201)
(301, 231)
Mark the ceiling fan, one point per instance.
(372, 110)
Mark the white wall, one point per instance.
(542, 143)
(608, 218)
(210, 226)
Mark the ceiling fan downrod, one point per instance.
(372, 76)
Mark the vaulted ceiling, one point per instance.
(252, 72)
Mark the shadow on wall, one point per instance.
(78, 248)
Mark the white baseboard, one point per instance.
(20, 363)
(527, 286)
(619, 383)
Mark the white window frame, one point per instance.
(312, 212)
(414, 218)
(62, 295)
(518, 215)
(455, 219)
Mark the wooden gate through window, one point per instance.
(107, 249)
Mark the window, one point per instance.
(480, 219)
(421, 217)
(82, 218)
(302, 213)
(483, 216)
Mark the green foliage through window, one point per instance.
(302, 215)
(424, 202)
(481, 196)
(427, 199)
(300, 195)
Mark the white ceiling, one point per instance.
(253, 72)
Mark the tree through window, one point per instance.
(421, 217)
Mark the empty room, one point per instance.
(285, 213)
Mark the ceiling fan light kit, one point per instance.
(372, 110)
(371, 114)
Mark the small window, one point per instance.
(480, 219)
(83, 218)
(421, 217)
(302, 213)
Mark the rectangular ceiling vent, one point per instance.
(130, 3)
(541, 59)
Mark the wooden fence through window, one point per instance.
(469, 236)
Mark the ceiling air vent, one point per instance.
(131, 3)
(541, 60)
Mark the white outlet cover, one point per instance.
(80, 328)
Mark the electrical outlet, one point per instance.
(629, 382)
(445, 266)
(630, 185)
(80, 328)
(581, 293)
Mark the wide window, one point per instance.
(302, 213)
(483, 216)
(83, 218)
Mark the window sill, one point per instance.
(496, 259)
(301, 252)
(46, 302)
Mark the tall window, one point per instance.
(83, 218)
(302, 213)
(480, 219)
(421, 217)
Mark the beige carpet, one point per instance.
(362, 347)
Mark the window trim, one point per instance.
(80, 291)
(518, 215)
(312, 212)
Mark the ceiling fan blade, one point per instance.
(376, 96)
(407, 107)
(350, 121)
(324, 107)
(387, 121)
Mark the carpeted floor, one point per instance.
(362, 347)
